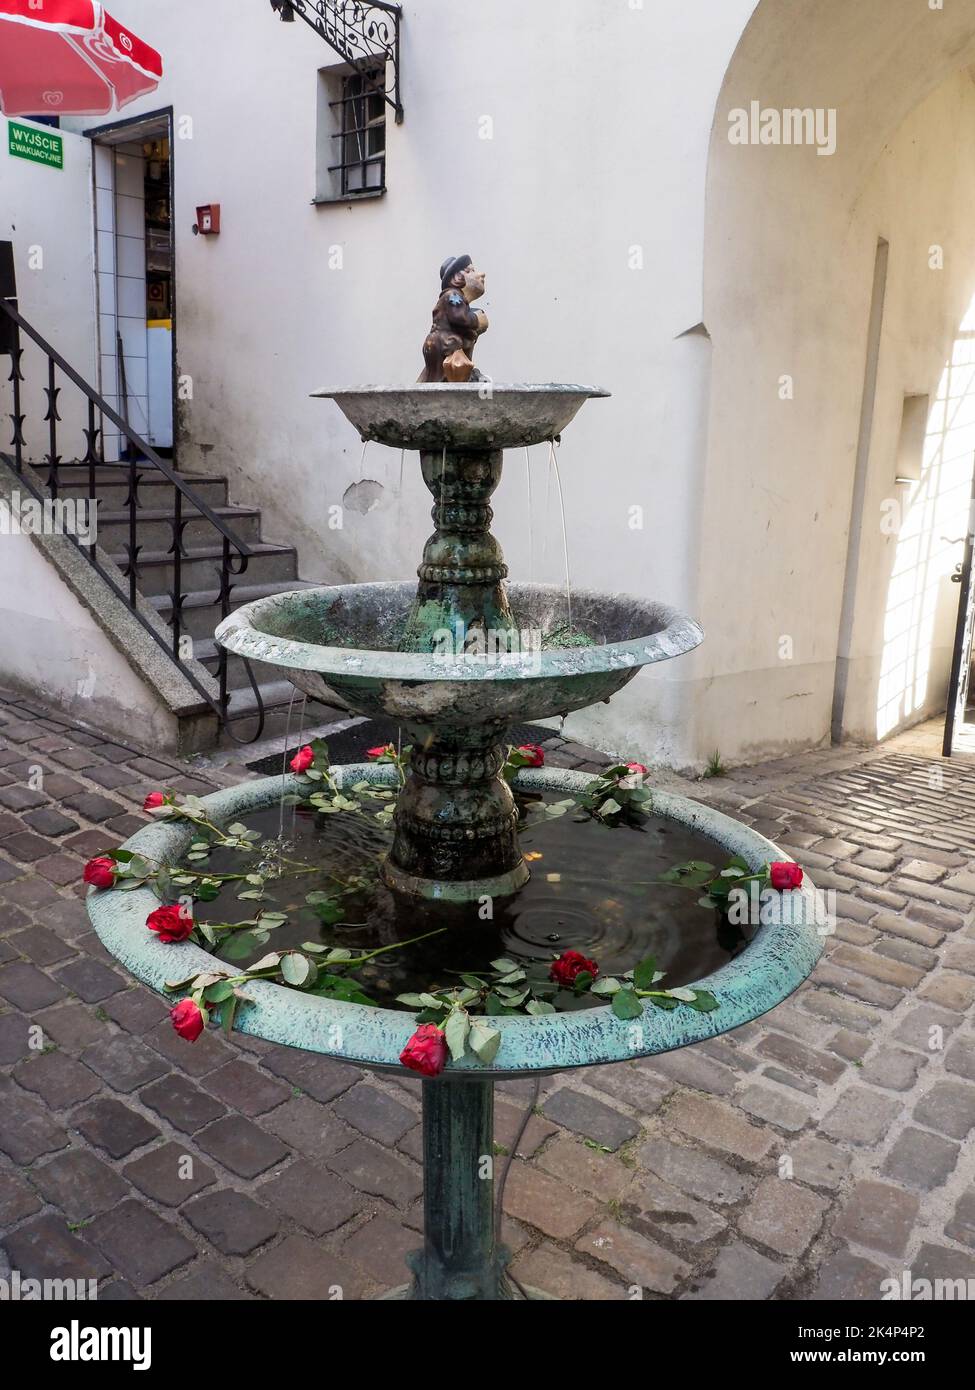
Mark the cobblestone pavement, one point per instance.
(807, 1156)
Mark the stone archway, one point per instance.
(790, 256)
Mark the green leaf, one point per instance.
(644, 972)
(704, 1001)
(338, 954)
(456, 1029)
(504, 965)
(298, 970)
(227, 1014)
(514, 998)
(607, 985)
(484, 1040)
(495, 1007)
(216, 994)
(539, 1006)
(682, 993)
(474, 982)
(663, 1001)
(430, 1016)
(252, 894)
(412, 1001)
(269, 962)
(626, 1004)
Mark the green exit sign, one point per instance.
(43, 146)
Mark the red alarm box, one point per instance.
(208, 219)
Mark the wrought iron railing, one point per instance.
(365, 35)
(187, 506)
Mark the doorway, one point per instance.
(135, 278)
(959, 735)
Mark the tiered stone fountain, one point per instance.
(428, 657)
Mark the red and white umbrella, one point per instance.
(70, 58)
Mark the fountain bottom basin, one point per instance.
(462, 1258)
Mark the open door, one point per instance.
(961, 661)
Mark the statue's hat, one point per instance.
(450, 268)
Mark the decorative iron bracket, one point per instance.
(363, 34)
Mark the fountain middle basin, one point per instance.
(344, 639)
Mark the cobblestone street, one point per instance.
(807, 1156)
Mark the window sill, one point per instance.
(364, 196)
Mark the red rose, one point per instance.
(153, 800)
(386, 751)
(302, 760)
(534, 756)
(570, 964)
(100, 872)
(783, 875)
(426, 1051)
(188, 1019)
(173, 922)
(637, 767)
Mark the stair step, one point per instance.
(205, 650)
(112, 485)
(155, 532)
(199, 566)
(274, 694)
(243, 593)
(201, 609)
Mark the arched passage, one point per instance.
(790, 265)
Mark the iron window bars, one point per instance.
(361, 134)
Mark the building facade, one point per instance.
(754, 223)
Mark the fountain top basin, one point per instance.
(778, 958)
(461, 415)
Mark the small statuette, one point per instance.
(448, 347)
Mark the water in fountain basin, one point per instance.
(592, 889)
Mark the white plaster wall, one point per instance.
(602, 142)
(50, 210)
(52, 647)
(602, 116)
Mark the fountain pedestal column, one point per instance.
(461, 1259)
(460, 600)
(456, 819)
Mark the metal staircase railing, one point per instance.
(187, 506)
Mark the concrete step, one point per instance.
(201, 567)
(282, 720)
(201, 609)
(155, 532)
(275, 694)
(205, 650)
(112, 486)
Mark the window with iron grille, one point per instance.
(360, 134)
